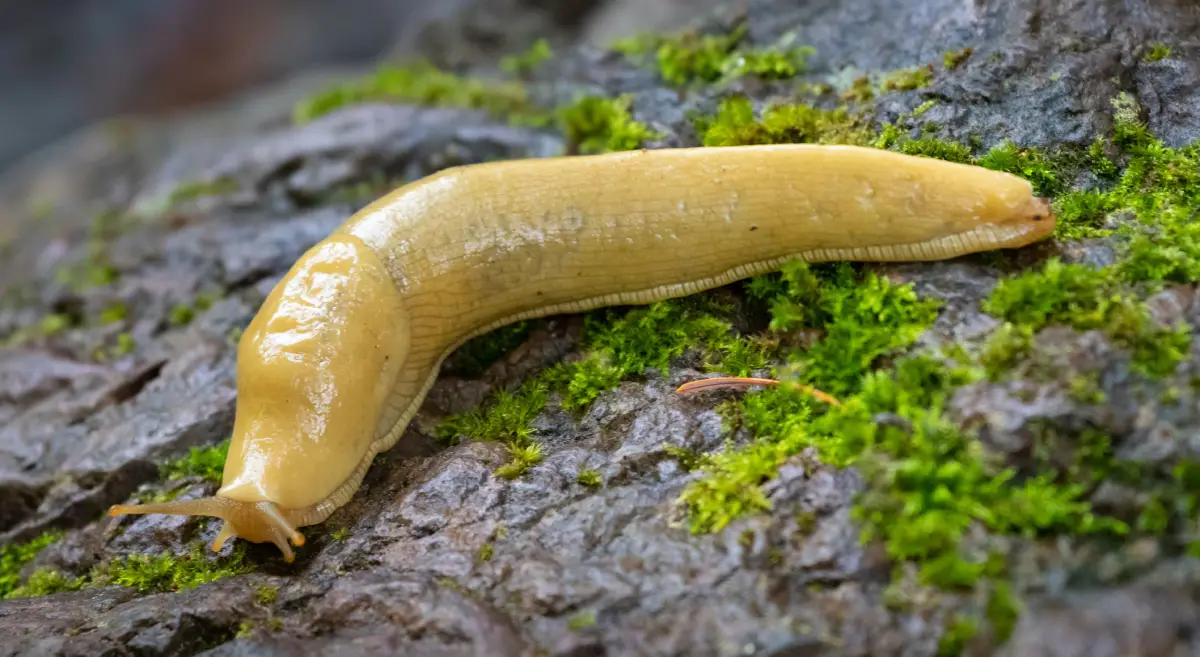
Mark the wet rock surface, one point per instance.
(436, 555)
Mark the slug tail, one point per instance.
(258, 522)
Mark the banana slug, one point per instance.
(345, 348)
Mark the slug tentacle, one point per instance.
(259, 522)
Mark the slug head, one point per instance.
(257, 522)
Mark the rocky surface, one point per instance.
(438, 556)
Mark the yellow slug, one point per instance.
(342, 353)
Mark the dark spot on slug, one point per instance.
(1037, 217)
(753, 228)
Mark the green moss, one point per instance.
(935, 148)
(14, 557)
(959, 630)
(485, 552)
(505, 419)
(952, 59)
(190, 191)
(689, 57)
(1158, 51)
(594, 124)
(522, 458)
(589, 477)
(909, 79)
(622, 344)
(114, 313)
(47, 581)
(266, 595)
(735, 124)
(207, 463)
(54, 324)
(478, 354)
(182, 314)
(340, 534)
(165, 572)
(1088, 298)
(526, 62)
(862, 318)
(582, 621)
(423, 84)
(1030, 164)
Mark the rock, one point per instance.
(438, 555)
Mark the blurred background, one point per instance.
(64, 64)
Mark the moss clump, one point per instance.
(939, 149)
(589, 477)
(47, 581)
(14, 557)
(582, 621)
(190, 191)
(735, 125)
(689, 57)
(266, 595)
(862, 319)
(618, 344)
(909, 79)
(1089, 298)
(526, 62)
(1029, 163)
(419, 83)
(166, 573)
(481, 352)
(182, 314)
(594, 124)
(1158, 51)
(952, 59)
(208, 463)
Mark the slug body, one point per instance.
(342, 353)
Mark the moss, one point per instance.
(909, 79)
(935, 148)
(505, 419)
(589, 477)
(47, 581)
(266, 595)
(862, 318)
(55, 323)
(522, 458)
(340, 534)
(959, 630)
(165, 572)
(14, 557)
(526, 62)
(952, 59)
(245, 629)
(622, 344)
(208, 463)
(688, 459)
(182, 314)
(735, 125)
(485, 553)
(1089, 298)
(594, 124)
(114, 313)
(1028, 163)
(1158, 51)
(419, 83)
(190, 191)
(689, 57)
(1003, 610)
(582, 621)
(478, 354)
